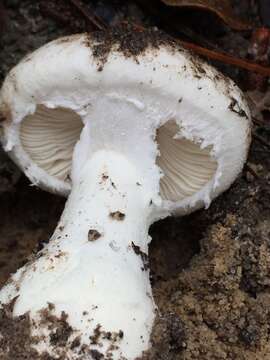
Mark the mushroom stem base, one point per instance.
(95, 267)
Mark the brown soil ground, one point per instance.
(210, 270)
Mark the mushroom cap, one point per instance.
(132, 87)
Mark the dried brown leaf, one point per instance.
(221, 8)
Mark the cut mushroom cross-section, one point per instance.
(133, 128)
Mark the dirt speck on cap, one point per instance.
(93, 235)
(96, 355)
(117, 215)
(104, 177)
(76, 342)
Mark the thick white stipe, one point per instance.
(94, 262)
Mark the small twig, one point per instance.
(251, 171)
(258, 121)
(219, 56)
(170, 22)
(227, 59)
(211, 54)
(260, 139)
(91, 18)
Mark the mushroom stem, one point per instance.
(95, 265)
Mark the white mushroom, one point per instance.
(135, 128)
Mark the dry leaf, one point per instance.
(222, 8)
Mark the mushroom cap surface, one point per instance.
(138, 86)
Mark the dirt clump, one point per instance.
(127, 40)
(15, 336)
